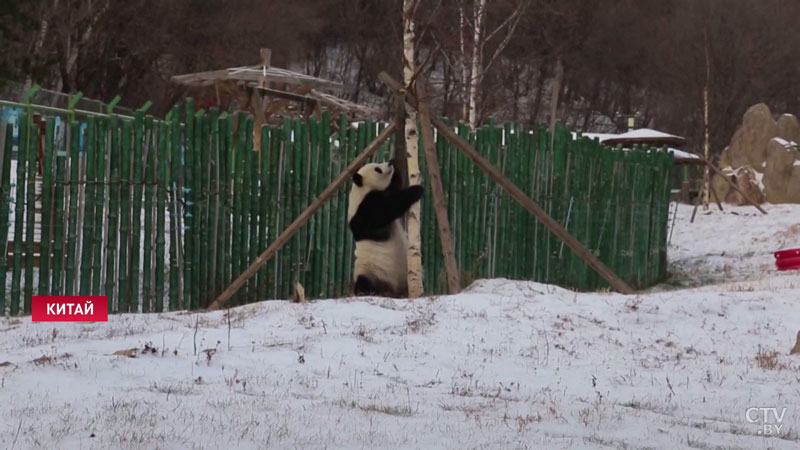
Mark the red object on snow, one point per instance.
(788, 259)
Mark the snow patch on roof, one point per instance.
(681, 154)
(645, 133)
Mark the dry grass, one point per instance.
(390, 410)
(420, 320)
(364, 334)
(768, 360)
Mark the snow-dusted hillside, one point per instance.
(504, 365)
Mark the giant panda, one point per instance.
(376, 203)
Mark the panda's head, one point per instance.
(374, 176)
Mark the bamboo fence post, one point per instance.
(161, 192)
(113, 209)
(59, 218)
(47, 210)
(123, 291)
(174, 218)
(190, 208)
(5, 200)
(74, 183)
(265, 204)
(303, 218)
(615, 282)
(439, 204)
(149, 181)
(99, 204)
(19, 215)
(141, 137)
(30, 208)
(88, 208)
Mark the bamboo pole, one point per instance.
(72, 211)
(19, 215)
(302, 219)
(30, 208)
(141, 139)
(584, 253)
(47, 209)
(99, 201)
(5, 200)
(439, 204)
(89, 187)
(174, 220)
(149, 180)
(161, 192)
(113, 209)
(123, 290)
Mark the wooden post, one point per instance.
(439, 204)
(587, 256)
(287, 234)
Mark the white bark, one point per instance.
(465, 74)
(415, 286)
(706, 144)
(40, 39)
(557, 81)
(476, 63)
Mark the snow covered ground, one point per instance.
(504, 365)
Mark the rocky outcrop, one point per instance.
(782, 172)
(762, 156)
(746, 179)
(749, 143)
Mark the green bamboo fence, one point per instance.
(162, 215)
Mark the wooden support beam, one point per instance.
(439, 203)
(304, 217)
(585, 254)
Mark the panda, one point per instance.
(375, 205)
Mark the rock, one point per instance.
(782, 172)
(724, 159)
(720, 186)
(746, 179)
(789, 128)
(749, 142)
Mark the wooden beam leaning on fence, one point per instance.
(580, 250)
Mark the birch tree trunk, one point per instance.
(556, 88)
(475, 76)
(462, 12)
(415, 286)
(706, 144)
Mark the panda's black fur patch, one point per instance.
(366, 286)
(379, 209)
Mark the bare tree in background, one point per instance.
(473, 67)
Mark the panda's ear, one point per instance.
(358, 179)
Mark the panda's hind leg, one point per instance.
(366, 286)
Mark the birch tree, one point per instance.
(415, 286)
(473, 67)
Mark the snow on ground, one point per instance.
(504, 365)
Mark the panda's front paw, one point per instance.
(416, 191)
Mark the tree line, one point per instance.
(591, 63)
